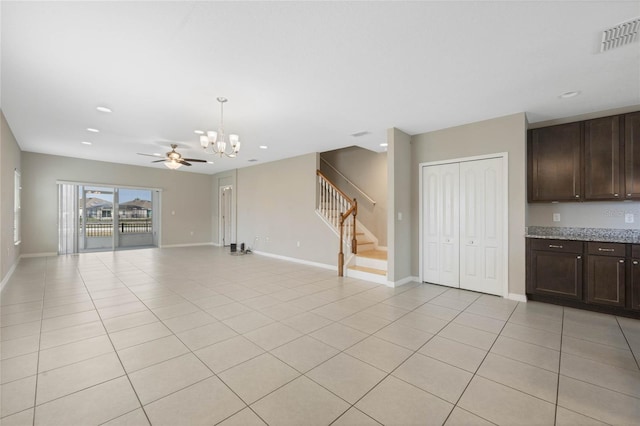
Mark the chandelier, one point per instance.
(217, 139)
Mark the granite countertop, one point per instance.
(585, 234)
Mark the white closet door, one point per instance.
(441, 211)
(481, 225)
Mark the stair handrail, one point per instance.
(357, 188)
(352, 210)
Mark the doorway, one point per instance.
(227, 236)
(464, 223)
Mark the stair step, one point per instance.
(373, 254)
(369, 270)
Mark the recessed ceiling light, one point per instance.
(263, 147)
(209, 162)
(384, 144)
(198, 132)
(86, 143)
(567, 95)
(92, 130)
(103, 109)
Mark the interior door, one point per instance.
(226, 215)
(481, 204)
(441, 211)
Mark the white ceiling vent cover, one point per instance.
(621, 34)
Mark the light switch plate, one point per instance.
(556, 217)
(628, 218)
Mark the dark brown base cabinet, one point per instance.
(603, 277)
(555, 268)
(634, 278)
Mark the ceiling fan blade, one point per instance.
(195, 160)
(184, 163)
(148, 155)
(159, 161)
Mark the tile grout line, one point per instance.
(35, 394)
(628, 344)
(112, 344)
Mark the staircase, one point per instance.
(369, 263)
(364, 261)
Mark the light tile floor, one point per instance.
(193, 336)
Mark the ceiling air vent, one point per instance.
(621, 34)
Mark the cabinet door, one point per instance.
(554, 163)
(606, 280)
(634, 284)
(556, 274)
(603, 170)
(632, 155)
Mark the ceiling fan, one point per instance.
(173, 159)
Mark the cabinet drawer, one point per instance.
(562, 246)
(606, 249)
(635, 251)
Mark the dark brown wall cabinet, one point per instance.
(603, 154)
(585, 161)
(554, 163)
(632, 155)
(555, 268)
(606, 274)
(634, 278)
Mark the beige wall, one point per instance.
(187, 195)
(9, 162)
(400, 215)
(585, 214)
(504, 134)
(276, 202)
(367, 170)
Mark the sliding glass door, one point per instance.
(100, 218)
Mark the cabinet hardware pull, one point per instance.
(615, 195)
(628, 195)
(577, 196)
(554, 246)
(604, 249)
(635, 262)
(579, 257)
(621, 260)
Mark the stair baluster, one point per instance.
(336, 207)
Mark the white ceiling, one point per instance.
(300, 76)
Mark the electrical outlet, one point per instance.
(556, 217)
(628, 218)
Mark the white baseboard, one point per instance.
(293, 259)
(517, 297)
(405, 280)
(216, 244)
(27, 255)
(186, 245)
(6, 278)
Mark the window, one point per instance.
(16, 207)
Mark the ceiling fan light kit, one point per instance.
(216, 139)
(174, 160)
